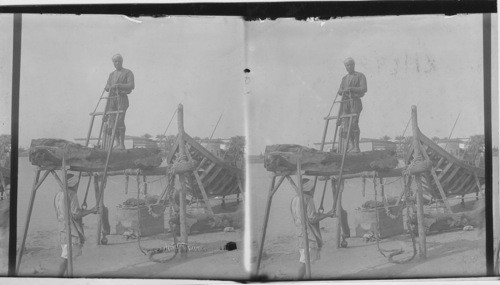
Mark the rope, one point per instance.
(394, 252)
(151, 252)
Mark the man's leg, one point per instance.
(63, 265)
(106, 228)
(122, 138)
(302, 271)
(302, 262)
(122, 128)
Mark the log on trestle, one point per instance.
(49, 152)
(283, 158)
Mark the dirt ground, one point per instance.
(452, 254)
(122, 258)
(449, 254)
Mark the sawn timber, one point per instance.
(283, 158)
(48, 153)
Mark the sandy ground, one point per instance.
(457, 253)
(453, 254)
(121, 257)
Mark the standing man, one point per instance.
(120, 84)
(76, 215)
(352, 88)
(313, 218)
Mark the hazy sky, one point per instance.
(431, 61)
(434, 62)
(5, 72)
(66, 61)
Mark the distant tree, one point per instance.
(475, 146)
(5, 144)
(399, 138)
(386, 138)
(436, 139)
(235, 152)
(494, 151)
(160, 137)
(197, 138)
(147, 136)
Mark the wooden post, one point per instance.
(420, 205)
(340, 186)
(338, 214)
(36, 184)
(67, 206)
(272, 190)
(304, 216)
(182, 194)
(99, 221)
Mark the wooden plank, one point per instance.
(214, 174)
(461, 177)
(451, 176)
(221, 178)
(205, 173)
(201, 163)
(437, 181)
(438, 165)
(49, 152)
(227, 183)
(464, 182)
(469, 185)
(201, 187)
(470, 188)
(201, 149)
(283, 158)
(441, 175)
(449, 157)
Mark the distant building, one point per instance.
(213, 147)
(453, 146)
(130, 142)
(366, 144)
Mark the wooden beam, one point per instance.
(441, 175)
(449, 157)
(36, 184)
(182, 194)
(49, 152)
(451, 176)
(205, 173)
(438, 165)
(420, 206)
(283, 158)
(214, 174)
(462, 176)
(201, 149)
(173, 150)
(202, 188)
